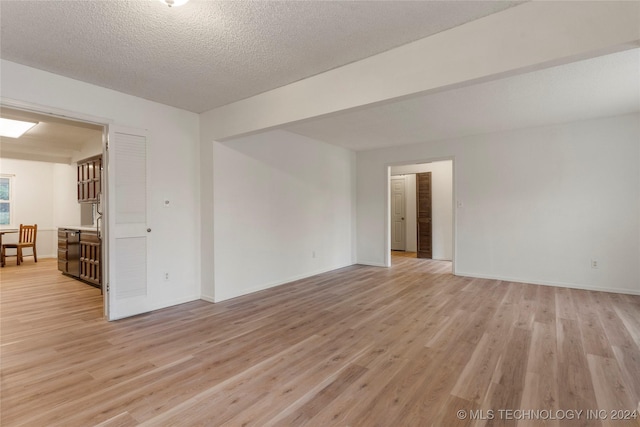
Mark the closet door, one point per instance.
(127, 223)
(423, 204)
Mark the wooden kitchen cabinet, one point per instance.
(79, 253)
(90, 252)
(69, 252)
(89, 179)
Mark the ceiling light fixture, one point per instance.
(175, 3)
(14, 128)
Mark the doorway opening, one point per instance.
(421, 211)
(48, 189)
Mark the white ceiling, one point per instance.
(207, 54)
(53, 139)
(598, 87)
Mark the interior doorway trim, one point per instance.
(55, 112)
(387, 213)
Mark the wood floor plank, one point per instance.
(546, 305)
(541, 388)
(346, 409)
(575, 387)
(305, 413)
(121, 420)
(429, 402)
(594, 338)
(565, 308)
(611, 392)
(629, 364)
(397, 393)
(409, 345)
(511, 375)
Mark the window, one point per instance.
(6, 199)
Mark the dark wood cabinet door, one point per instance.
(68, 252)
(89, 182)
(423, 207)
(90, 248)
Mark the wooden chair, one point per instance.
(26, 239)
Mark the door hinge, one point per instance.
(107, 287)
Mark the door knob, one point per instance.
(402, 218)
(148, 230)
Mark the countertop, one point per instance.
(78, 227)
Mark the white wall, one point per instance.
(173, 169)
(44, 194)
(441, 204)
(538, 204)
(278, 198)
(66, 209)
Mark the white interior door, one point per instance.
(127, 223)
(398, 214)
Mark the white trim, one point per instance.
(387, 219)
(550, 283)
(207, 298)
(372, 264)
(56, 112)
(387, 223)
(277, 283)
(163, 304)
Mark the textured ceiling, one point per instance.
(598, 87)
(211, 53)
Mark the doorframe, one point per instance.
(387, 213)
(95, 120)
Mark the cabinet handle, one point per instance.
(148, 230)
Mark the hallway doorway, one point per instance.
(430, 219)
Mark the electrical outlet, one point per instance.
(594, 263)
(166, 277)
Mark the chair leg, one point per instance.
(2, 257)
(35, 256)
(18, 255)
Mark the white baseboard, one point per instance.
(207, 298)
(371, 264)
(279, 282)
(550, 283)
(161, 305)
(212, 299)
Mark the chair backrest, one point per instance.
(28, 233)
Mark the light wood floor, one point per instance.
(406, 346)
